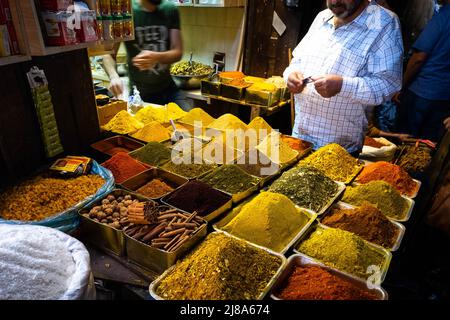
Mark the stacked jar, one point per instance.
(115, 19)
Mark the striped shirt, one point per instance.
(367, 53)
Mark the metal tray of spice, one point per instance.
(103, 236)
(233, 213)
(159, 260)
(408, 212)
(412, 196)
(135, 183)
(400, 228)
(116, 144)
(154, 285)
(210, 216)
(301, 260)
(238, 197)
(387, 255)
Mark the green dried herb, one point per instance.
(342, 250)
(306, 186)
(381, 194)
(189, 171)
(153, 153)
(230, 178)
(220, 268)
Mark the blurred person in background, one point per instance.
(158, 43)
(424, 102)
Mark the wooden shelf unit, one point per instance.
(19, 28)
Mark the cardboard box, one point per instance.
(108, 111)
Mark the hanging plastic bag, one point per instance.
(68, 220)
(135, 102)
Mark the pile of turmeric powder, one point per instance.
(123, 123)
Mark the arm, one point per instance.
(109, 64)
(415, 63)
(148, 59)
(384, 71)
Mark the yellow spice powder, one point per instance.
(276, 149)
(153, 131)
(227, 121)
(199, 115)
(123, 123)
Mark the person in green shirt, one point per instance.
(158, 43)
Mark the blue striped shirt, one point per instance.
(367, 53)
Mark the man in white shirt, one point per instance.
(350, 59)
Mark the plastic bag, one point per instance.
(68, 220)
(135, 102)
(385, 153)
(35, 240)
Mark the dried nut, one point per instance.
(109, 219)
(109, 211)
(111, 198)
(97, 208)
(120, 199)
(105, 201)
(123, 221)
(127, 197)
(114, 203)
(128, 202)
(123, 210)
(116, 215)
(104, 207)
(116, 224)
(104, 221)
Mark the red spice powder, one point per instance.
(371, 142)
(316, 283)
(124, 167)
(295, 144)
(390, 173)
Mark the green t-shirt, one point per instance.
(152, 32)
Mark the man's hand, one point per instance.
(328, 85)
(397, 97)
(116, 86)
(146, 60)
(295, 82)
(447, 124)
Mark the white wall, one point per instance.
(206, 30)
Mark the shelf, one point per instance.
(13, 59)
(225, 4)
(35, 39)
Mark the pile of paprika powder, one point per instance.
(390, 173)
(315, 283)
(124, 167)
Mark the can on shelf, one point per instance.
(108, 30)
(126, 6)
(100, 28)
(105, 7)
(118, 27)
(116, 7)
(127, 26)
